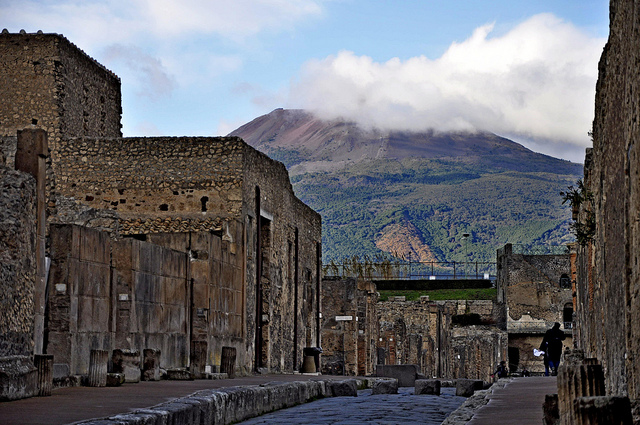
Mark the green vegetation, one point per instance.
(584, 227)
(444, 294)
(495, 200)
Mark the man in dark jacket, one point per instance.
(552, 346)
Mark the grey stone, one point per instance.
(18, 378)
(428, 386)
(385, 386)
(466, 387)
(60, 370)
(550, 409)
(346, 388)
(405, 374)
(179, 374)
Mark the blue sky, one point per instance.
(522, 69)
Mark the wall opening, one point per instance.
(567, 316)
(565, 282)
(204, 201)
(265, 289)
(514, 358)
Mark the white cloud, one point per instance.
(152, 79)
(96, 23)
(537, 81)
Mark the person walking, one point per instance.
(552, 347)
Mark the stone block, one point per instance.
(179, 374)
(405, 374)
(466, 387)
(385, 386)
(18, 378)
(115, 379)
(346, 388)
(44, 364)
(127, 362)
(427, 386)
(550, 410)
(150, 364)
(60, 370)
(602, 410)
(198, 358)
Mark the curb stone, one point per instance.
(465, 413)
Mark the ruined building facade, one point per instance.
(536, 291)
(608, 285)
(167, 243)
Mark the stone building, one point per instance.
(447, 339)
(184, 245)
(536, 291)
(607, 207)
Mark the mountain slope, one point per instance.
(415, 194)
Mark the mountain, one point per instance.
(414, 194)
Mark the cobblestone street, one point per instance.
(401, 408)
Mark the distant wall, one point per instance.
(146, 185)
(349, 327)
(17, 262)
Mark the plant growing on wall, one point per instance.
(581, 198)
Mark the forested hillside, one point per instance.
(414, 195)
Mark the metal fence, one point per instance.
(431, 270)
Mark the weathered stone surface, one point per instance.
(427, 386)
(385, 386)
(550, 409)
(404, 374)
(466, 387)
(602, 410)
(128, 363)
(346, 388)
(179, 375)
(150, 364)
(18, 378)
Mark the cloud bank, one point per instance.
(535, 82)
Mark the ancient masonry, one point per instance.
(182, 248)
(608, 284)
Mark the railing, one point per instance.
(429, 270)
(539, 249)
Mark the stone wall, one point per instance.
(449, 339)
(46, 78)
(145, 185)
(283, 270)
(17, 262)
(349, 327)
(608, 290)
(536, 291)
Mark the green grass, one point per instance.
(444, 294)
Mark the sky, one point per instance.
(525, 70)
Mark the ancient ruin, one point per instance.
(183, 246)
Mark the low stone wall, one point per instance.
(233, 404)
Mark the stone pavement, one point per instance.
(518, 402)
(401, 408)
(67, 405)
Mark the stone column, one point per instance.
(98, 368)
(198, 359)
(44, 364)
(31, 153)
(228, 361)
(150, 364)
(577, 377)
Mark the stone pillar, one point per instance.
(31, 153)
(198, 359)
(150, 364)
(44, 364)
(98, 368)
(577, 377)
(228, 361)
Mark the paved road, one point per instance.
(519, 402)
(401, 408)
(67, 405)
